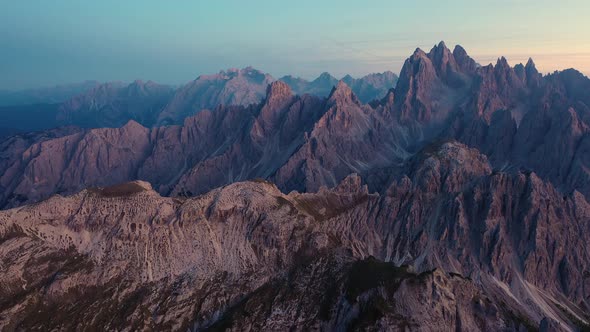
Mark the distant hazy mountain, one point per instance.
(93, 105)
(114, 104)
(232, 87)
(105, 105)
(48, 95)
(373, 86)
(247, 87)
(367, 88)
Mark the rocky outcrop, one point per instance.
(453, 245)
(419, 89)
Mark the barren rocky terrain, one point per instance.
(459, 201)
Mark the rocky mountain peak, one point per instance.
(418, 54)
(278, 96)
(531, 70)
(139, 88)
(352, 184)
(278, 90)
(296, 83)
(255, 74)
(459, 51)
(133, 125)
(417, 79)
(530, 64)
(448, 166)
(444, 61)
(502, 64)
(418, 62)
(248, 73)
(348, 77)
(464, 61)
(439, 50)
(102, 90)
(342, 94)
(325, 76)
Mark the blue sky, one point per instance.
(52, 42)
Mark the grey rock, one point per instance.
(453, 246)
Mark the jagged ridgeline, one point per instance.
(458, 201)
(95, 105)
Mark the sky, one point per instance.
(44, 43)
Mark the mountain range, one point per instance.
(459, 200)
(95, 105)
(48, 95)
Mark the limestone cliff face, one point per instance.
(451, 245)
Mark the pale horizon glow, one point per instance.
(58, 42)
